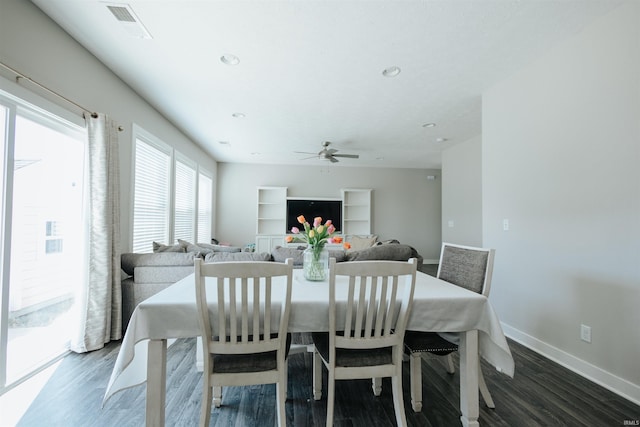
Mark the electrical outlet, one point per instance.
(505, 224)
(451, 224)
(585, 333)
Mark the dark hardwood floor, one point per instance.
(542, 393)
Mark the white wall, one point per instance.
(36, 46)
(561, 161)
(462, 193)
(406, 206)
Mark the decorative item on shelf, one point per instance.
(316, 256)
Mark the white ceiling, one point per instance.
(311, 71)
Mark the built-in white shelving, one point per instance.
(271, 217)
(271, 222)
(356, 211)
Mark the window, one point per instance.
(205, 203)
(172, 197)
(53, 237)
(185, 200)
(42, 193)
(151, 194)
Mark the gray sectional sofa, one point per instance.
(147, 274)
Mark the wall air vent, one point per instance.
(128, 20)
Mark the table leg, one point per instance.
(156, 382)
(469, 399)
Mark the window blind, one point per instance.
(205, 201)
(185, 202)
(151, 196)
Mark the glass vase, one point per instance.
(316, 263)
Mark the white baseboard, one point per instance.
(617, 385)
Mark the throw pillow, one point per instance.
(362, 242)
(195, 248)
(159, 247)
(280, 254)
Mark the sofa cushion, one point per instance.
(392, 252)
(237, 256)
(206, 248)
(159, 247)
(221, 248)
(161, 273)
(130, 261)
(339, 254)
(280, 254)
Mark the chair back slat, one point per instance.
(375, 313)
(391, 310)
(245, 321)
(371, 304)
(233, 312)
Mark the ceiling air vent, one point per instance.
(121, 13)
(129, 21)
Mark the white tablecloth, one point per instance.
(437, 306)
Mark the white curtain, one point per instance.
(101, 308)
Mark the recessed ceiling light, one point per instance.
(224, 143)
(391, 71)
(239, 115)
(429, 125)
(229, 59)
(441, 139)
(255, 153)
(379, 158)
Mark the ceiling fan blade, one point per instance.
(332, 159)
(348, 156)
(304, 152)
(330, 151)
(315, 156)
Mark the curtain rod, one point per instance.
(20, 75)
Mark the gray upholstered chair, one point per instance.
(366, 331)
(246, 342)
(470, 268)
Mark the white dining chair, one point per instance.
(366, 328)
(471, 268)
(245, 341)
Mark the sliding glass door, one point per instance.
(42, 235)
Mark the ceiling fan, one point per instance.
(328, 154)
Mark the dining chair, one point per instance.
(465, 266)
(368, 313)
(244, 333)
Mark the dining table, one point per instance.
(438, 306)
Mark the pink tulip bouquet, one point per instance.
(317, 235)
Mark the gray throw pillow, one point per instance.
(194, 248)
(280, 254)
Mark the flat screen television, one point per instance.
(311, 208)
